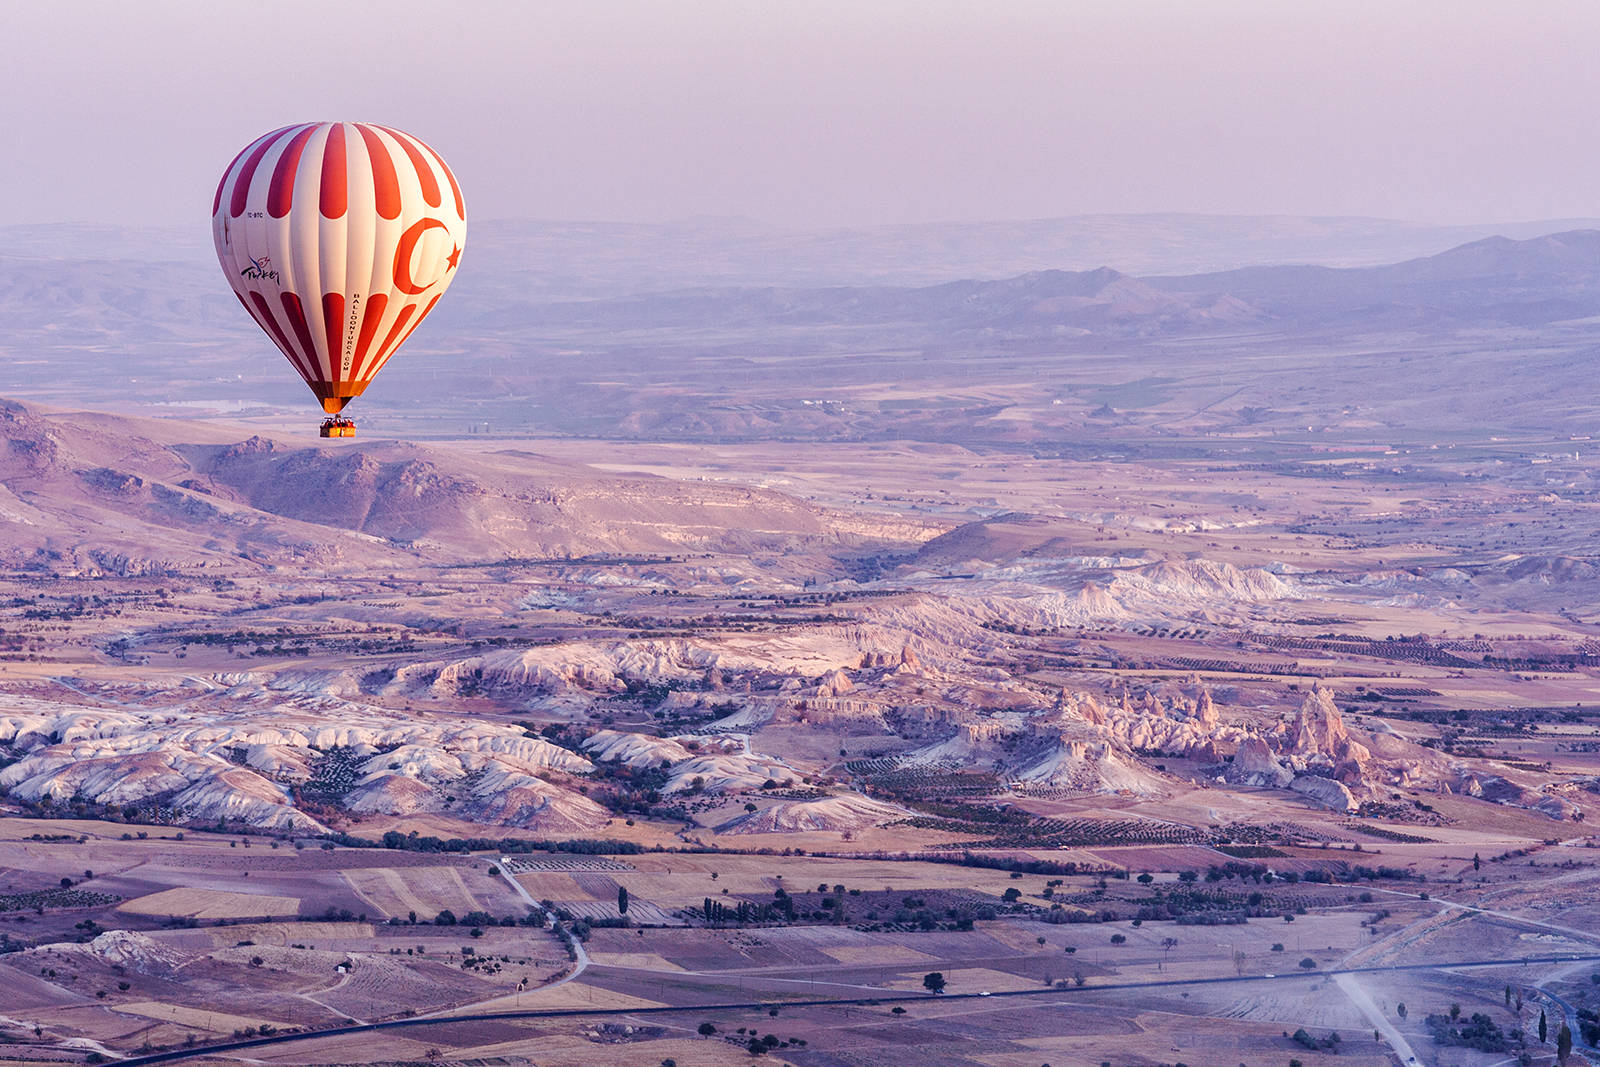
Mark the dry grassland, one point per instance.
(646, 960)
(395, 892)
(302, 933)
(572, 995)
(874, 955)
(216, 1022)
(211, 904)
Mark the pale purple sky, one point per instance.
(824, 113)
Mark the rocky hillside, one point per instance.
(84, 492)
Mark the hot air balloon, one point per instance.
(338, 238)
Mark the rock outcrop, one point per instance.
(1256, 764)
(841, 814)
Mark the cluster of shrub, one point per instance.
(584, 846)
(1329, 1043)
(1476, 1031)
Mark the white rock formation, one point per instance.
(829, 814)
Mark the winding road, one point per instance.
(581, 963)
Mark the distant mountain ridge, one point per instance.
(1494, 281)
(635, 339)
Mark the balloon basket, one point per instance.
(337, 428)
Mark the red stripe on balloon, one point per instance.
(461, 206)
(269, 322)
(371, 315)
(333, 329)
(415, 324)
(393, 339)
(385, 184)
(241, 184)
(302, 333)
(335, 191)
(430, 184)
(216, 201)
(280, 194)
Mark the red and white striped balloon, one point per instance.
(338, 238)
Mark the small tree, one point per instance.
(1119, 939)
(622, 900)
(1308, 964)
(706, 1029)
(1563, 1043)
(1400, 1009)
(933, 982)
(1544, 1027)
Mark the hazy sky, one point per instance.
(819, 113)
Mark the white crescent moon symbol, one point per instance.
(406, 249)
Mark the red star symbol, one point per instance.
(455, 255)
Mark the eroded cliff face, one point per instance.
(259, 766)
(288, 751)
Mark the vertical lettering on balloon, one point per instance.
(370, 318)
(350, 336)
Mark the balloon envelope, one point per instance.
(338, 238)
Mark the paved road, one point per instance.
(887, 994)
(1571, 1013)
(582, 956)
(1359, 996)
